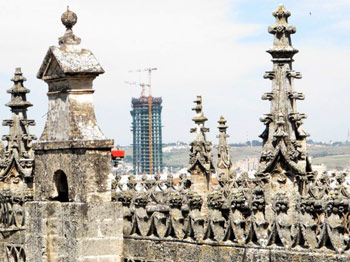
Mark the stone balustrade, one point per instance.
(238, 213)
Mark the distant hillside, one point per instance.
(333, 162)
(331, 156)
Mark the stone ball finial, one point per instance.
(69, 19)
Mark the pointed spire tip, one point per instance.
(281, 7)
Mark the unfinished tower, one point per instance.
(144, 136)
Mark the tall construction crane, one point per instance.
(143, 86)
(150, 131)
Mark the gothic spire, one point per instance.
(19, 140)
(224, 162)
(284, 138)
(200, 152)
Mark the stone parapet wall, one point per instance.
(181, 251)
(73, 232)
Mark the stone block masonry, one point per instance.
(74, 232)
(86, 165)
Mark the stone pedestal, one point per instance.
(74, 232)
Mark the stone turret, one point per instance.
(72, 213)
(284, 153)
(16, 166)
(224, 163)
(72, 154)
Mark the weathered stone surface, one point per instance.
(61, 230)
(257, 255)
(157, 251)
(86, 171)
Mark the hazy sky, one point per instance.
(213, 48)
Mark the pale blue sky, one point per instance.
(215, 48)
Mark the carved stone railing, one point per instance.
(15, 253)
(12, 217)
(238, 213)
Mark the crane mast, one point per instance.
(150, 129)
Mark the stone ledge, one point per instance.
(179, 250)
(73, 144)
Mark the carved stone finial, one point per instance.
(199, 118)
(18, 77)
(282, 44)
(18, 91)
(281, 13)
(222, 125)
(69, 19)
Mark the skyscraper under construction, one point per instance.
(147, 131)
(146, 139)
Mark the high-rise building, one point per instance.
(147, 135)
